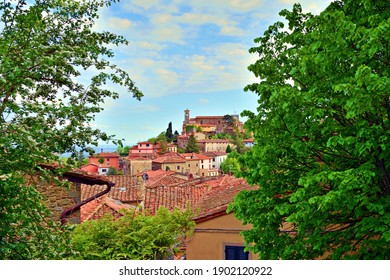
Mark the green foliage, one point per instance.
(191, 128)
(238, 141)
(123, 151)
(133, 236)
(175, 135)
(111, 171)
(322, 134)
(228, 149)
(231, 165)
(224, 135)
(192, 146)
(169, 134)
(159, 138)
(45, 112)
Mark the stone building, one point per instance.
(211, 124)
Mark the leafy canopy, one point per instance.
(133, 236)
(46, 49)
(192, 145)
(322, 133)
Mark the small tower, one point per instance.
(186, 116)
(186, 121)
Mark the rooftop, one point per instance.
(208, 197)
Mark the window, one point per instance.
(178, 167)
(236, 253)
(108, 159)
(104, 170)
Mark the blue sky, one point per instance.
(189, 54)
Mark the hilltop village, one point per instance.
(198, 151)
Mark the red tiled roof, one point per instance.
(96, 209)
(207, 125)
(145, 142)
(189, 156)
(211, 196)
(106, 155)
(169, 159)
(214, 154)
(208, 117)
(214, 141)
(221, 194)
(140, 156)
(91, 167)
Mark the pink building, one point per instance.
(104, 161)
(145, 149)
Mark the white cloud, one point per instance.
(119, 23)
(203, 101)
(146, 4)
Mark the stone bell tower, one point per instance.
(186, 121)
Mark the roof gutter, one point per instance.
(70, 210)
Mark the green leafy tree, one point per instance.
(192, 146)
(163, 146)
(111, 171)
(159, 138)
(238, 141)
(175, 135)
(133, 236)
(228, 149)
(45, 48)
(123, 151)
(231, 164)
(322, 134)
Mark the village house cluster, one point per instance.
(147, 156)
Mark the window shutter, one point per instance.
(236, 253)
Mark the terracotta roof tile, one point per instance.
(106, 155)
(210, 195)
(214, 141)
(169, 159)
(194, 156)
(96, 209)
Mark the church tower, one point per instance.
(186, 121)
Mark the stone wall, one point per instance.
(58, 199)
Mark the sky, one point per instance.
(185, 54)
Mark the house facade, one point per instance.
(104, 161)
(145, 149)
(214, 145)
(169, 163)
(249, 143)
(221, 233)
(135, 165)
(199, 164)
(216, 158)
